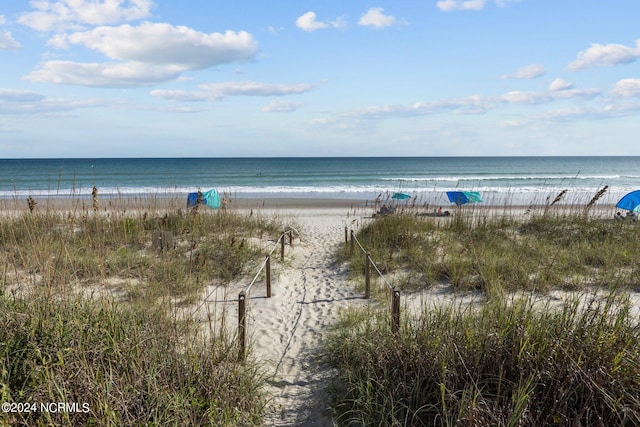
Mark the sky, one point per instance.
(250, 78)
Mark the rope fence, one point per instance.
(395, 293)
(266, 266)
(242, 296)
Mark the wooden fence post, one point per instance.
(352, 242)
(395, 310)
(268, 272)
(242, 325)
(346, 235)
(291, 238)
(282, 247)
(367, 275)
(163, 240)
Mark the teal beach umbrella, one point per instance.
(211, 198)
(401, 196)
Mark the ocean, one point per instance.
(500, 180)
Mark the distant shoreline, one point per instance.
(152, 202)
(127, 203)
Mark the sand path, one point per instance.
(286, 330)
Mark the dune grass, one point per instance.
(503, 253)
(508, 363)
(57, 250)
(88, 316)
(508, 360)
(121, 364)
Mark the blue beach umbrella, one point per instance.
(630, 202)
(463, 197)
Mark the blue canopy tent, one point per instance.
(209, 198)
(463, 197)
(630, 202)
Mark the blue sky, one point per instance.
(159, 78)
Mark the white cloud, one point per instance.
(308, 22)
(165, 45)
(130, 74)
(505, 3)
(375, 18)
(12, 95)
(26, 103)
(474, 104)
(518, 97)
(569, 114)
(529, 72)
(585, 94)
(151, 53)
(216, 91)
(622, 109)
(605, 56)
(626, 88)
(512, 123)
(75, 14)
(560, 84)
(282, 106)
(247, 88)
(449, 5)
(181, 95)
(7, 42)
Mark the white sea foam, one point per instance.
(509, 178)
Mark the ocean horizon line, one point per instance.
(190, 157)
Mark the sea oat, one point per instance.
(598, 195)
(559, 197)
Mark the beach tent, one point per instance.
(630, 202)
(462, 197)
(209, 198)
